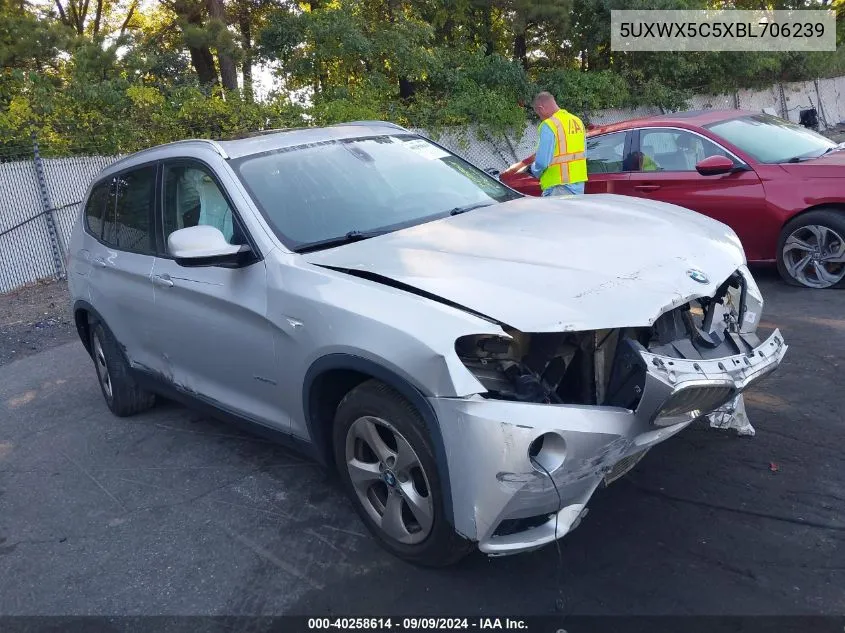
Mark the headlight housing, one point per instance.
(519, 366)
(753, 308)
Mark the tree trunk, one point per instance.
(447, 31)
(203, 62)
(487, 22)
(228, 70)
(190, 12)
(98, 16)
(126, 21)
(406, 88)
(520, 49)
(246, 43)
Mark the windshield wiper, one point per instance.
(340, 240)
(803, 157)
(469, 207)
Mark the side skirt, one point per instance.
(159, 385)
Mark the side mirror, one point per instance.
(714, 165)
(204, 246)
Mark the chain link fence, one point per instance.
(39, 203)
(40, 197)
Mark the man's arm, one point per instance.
(545, 151)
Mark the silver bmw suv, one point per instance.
(473, 362)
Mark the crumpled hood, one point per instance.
(555, 264)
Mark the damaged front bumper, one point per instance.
(513, 492)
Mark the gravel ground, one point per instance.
(33, 319)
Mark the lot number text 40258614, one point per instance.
(417, 624)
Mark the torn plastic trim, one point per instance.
(387, 281)
(500, 482)
(668, 375)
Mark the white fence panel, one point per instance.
(615, 115)
(800, 95)
(832, 92)
(712, 102)
(25, 253)
(67, 182)
(760, 100)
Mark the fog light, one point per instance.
(547, 452)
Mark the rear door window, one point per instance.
(127, 220)
(605, 154)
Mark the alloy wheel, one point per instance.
(815, 256)
(102, 368)
(389, 480)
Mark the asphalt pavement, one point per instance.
(171, 512)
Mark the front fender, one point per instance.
(319, 432)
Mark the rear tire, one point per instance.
(387, 466)
(122, 394)
(811, 250)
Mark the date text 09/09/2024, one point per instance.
(416, 624)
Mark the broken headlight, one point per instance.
(752, 309)
(495, 361)
(540, 367)
(738, 305)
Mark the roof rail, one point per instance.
(214, 145)
(278, 130)
(382, 123)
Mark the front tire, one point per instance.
(122, 394)
(387, 467)
(811, 250)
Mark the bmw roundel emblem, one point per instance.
(697, 275)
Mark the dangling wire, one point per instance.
(559, 602)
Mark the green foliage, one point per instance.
(581, 92)
(154, 73)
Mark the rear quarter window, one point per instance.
(94, 209)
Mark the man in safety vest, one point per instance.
(559, 162)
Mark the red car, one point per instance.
(780, 186)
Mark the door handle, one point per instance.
(163, 280)
(646, 188)
(99, 261)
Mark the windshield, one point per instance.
(363, 186)
(769, 139)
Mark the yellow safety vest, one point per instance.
(569, 163)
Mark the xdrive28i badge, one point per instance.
(697, 275)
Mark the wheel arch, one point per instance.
(832, 213)
(822, 206)
(331, 377)
(84, 316)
